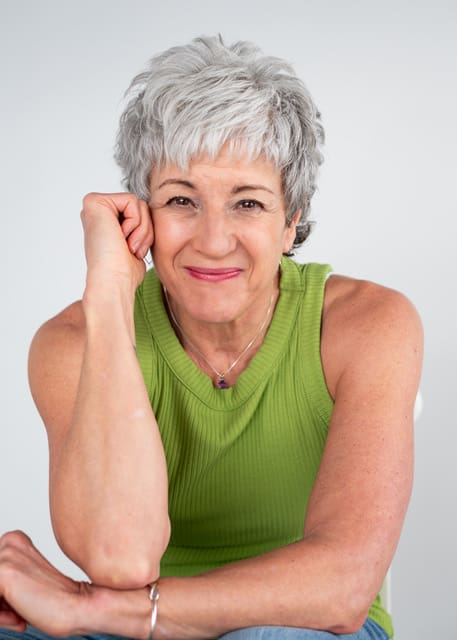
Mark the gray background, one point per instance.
(384, 76)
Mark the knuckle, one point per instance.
(90, 197)
(14, 539)
(8, 561)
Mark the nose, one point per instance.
(215, 235)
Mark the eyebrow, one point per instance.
(251, 187)
(234, 191)
(184, 183)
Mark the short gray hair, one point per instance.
(193, 99)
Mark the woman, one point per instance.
(232, 431)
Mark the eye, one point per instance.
(250, 205)
(180, 201)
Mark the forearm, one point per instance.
(109, 483)
(306, 585)
(309, 584)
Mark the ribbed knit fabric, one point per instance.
(241, 461)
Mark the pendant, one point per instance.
(221, 383)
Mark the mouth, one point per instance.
(213, 275)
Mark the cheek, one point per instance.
(169, 234)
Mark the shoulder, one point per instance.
(55, 359)
(363, 323)
(363, 304)
(67, 328)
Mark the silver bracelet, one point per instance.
(153, 597)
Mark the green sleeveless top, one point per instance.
(241, 461)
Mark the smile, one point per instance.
(213, 275)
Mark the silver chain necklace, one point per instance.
(221, 375)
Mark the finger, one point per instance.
(4, 606)
(27, 555)
(17, 539)
(117, 203)
(121, 206)
(130, 224)
(137, 225)
(12, 620)
(141, 238)
(132, 207)
(132, 213)
(139, 243)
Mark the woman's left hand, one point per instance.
(34, 592)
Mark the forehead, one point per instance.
(226, 170)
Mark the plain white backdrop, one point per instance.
(384, 75)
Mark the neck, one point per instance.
(223, 351)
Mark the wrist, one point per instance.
(117, 612)
(109, 307)
(101, 286)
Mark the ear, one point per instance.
(289, 232)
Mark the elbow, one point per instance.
(348, 624)
(129, 567)
(349, 613)
(125, 574)
(130, 563)
(347, 589)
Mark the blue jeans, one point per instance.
(369, 631)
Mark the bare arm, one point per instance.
(329, 579)
(108, 480)
(371, 349)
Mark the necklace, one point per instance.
(221, 375)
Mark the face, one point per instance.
(219, 233)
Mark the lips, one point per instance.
(213, 275)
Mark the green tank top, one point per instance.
(241, 461)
